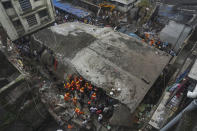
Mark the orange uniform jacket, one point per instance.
(67, 97)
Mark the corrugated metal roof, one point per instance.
(71, 9)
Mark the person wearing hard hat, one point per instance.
(67, 86)
(70, 126)
(93, 97)
(67, 97)
(77, 110)
(78, 87)
(82, 90)
(72, 83)
(74, 100)
(152, 42)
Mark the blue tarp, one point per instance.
(134, 35)
(71, 9)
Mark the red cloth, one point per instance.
(99, 112)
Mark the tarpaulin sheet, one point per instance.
(70, 9)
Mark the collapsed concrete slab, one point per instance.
(108, 59)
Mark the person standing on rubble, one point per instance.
(67, 86)
(152, 42)
(67, 97)
(93, 110)
(93, 96)
(78, 111)
(74, 100)
(82, 90)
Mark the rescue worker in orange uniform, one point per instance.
(147, 36)
(82, 90)
(77, 82)
(67, 86)
(77, 110)
(93, 97)
(78, 87)
(70, 126)
(67, 97)
(72, 83)
(86, 84)
(75, 100)
(152, 42)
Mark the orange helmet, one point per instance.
(67, 94)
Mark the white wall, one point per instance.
(7, 24)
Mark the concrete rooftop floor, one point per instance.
(106, 58)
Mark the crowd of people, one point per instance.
(104, 18)
(82, 94)
(154, 41)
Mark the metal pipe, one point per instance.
(191, 106)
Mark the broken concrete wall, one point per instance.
(18, 101)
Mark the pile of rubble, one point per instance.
(78, 103)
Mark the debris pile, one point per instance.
(77, 102)
(153, 40)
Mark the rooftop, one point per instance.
(106, 58)
(126, 2)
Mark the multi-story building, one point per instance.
(123, 5)
(22, 17)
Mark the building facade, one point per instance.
(22, 17)
(123, 5)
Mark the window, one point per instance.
(7, 4)
(31, 20)
(17, 24)
(43, 13)
(25, 5)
